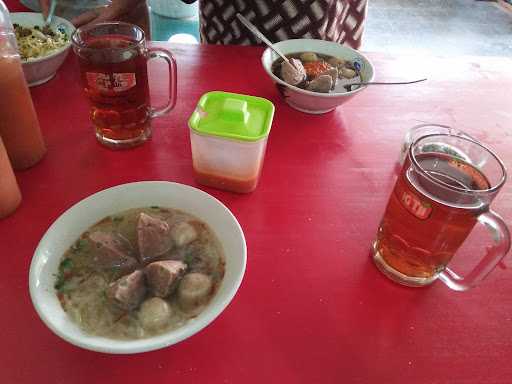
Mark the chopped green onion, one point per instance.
(66, 263)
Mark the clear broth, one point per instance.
(81, 285)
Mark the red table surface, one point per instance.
(312, 307)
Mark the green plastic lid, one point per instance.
(234, 116)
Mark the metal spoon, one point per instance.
(387, 83)
(251, 27)
(347, 86)
(357, 68)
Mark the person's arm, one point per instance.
(115, 11)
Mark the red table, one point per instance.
(312, 307)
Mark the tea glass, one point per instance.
(113, 65)
(438, 198)
(427, 129)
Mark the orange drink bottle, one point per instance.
(10, 196)
(19, 127)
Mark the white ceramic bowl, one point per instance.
(40, 70)
(308, 101)
(68, 227)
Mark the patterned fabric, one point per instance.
(336, 20)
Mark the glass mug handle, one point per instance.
(501, 238)
(154, 53)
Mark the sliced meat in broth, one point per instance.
(112, 251)
(153, 237)
(163, 276)
(128, 291)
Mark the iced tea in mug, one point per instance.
(113, 65)
(438, 198)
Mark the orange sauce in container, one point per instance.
(228, 137)
(226, 182)
(10, 196)
(19, 127)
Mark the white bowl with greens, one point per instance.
(47, 263)
(42, 51)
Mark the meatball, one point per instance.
(322, 83)
(183, 233)
(347, 73)
(293, 72)
(155, 314)
(194, 290)
(308, 56)
(336, 62)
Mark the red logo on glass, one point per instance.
(415, 206)
(113, 82)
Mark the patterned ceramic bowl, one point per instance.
(315, 102)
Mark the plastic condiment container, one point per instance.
(10, 195)
(19, 126)
(228, 135)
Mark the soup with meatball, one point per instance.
(140, 273)
(318, 73)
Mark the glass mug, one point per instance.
(438, 198)
(113, 68)
(426, 129)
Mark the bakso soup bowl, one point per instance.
(310, 101)
(42, 69)
(62, 236)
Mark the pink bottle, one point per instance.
(19, 127)
(10, 196)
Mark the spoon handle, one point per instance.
(51, 11)
(388, 83)
(251, 27)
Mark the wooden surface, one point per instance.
(312, 307)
